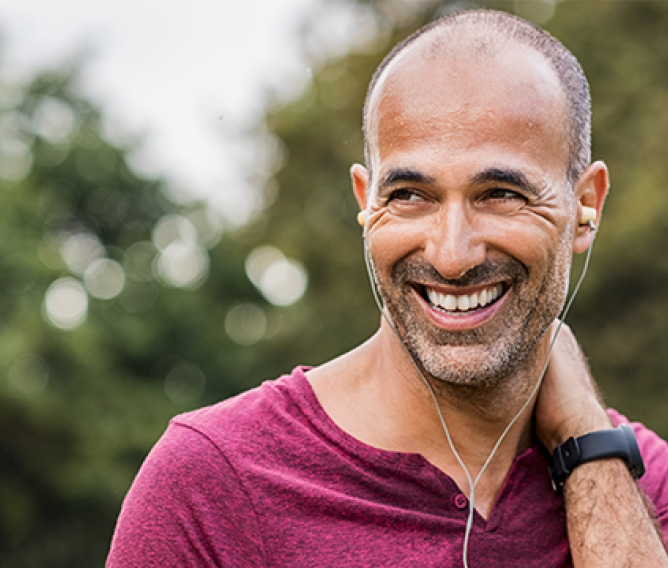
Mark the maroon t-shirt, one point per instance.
(267, 479)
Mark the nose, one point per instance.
(454, 244)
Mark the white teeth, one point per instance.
(464, 302)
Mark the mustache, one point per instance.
(416, 270)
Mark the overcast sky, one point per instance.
(186, 74)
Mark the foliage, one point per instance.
(81, 404)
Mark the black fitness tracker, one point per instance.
(618, 443)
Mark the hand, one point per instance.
(568, 402)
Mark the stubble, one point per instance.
(479, 358)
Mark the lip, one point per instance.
(464, 321)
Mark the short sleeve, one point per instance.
(186, 507)
(654, 451)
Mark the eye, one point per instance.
(502, 194)
(501, 200)
(405, 195)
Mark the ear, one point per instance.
(590, 191)
(360, 179)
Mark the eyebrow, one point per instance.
(507, 176)
(404, 175)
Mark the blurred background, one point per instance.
(176, 224)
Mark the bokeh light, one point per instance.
(281, 281)
(29, 375)
(246, 324)
(66, 303)
(284, 282)
(259, 260)
(104, 278)
(138, 261)
(182, 262)
(184, 383)
(183, 265)
(78, 250)
(171, 229)
(208, 225)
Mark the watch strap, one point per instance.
(617, 443)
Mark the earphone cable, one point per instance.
(473, 484)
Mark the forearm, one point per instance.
(609, 523)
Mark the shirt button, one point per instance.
(460, 501)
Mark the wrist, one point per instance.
(577, 426)
(619, 442)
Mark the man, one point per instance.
(477, 191)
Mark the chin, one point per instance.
(480, 359)
(475, 367)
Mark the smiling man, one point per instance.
(429, 445)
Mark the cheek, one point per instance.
(534, 248)
(551, 283)
(385, 251)
(562, 268)
(390, 241)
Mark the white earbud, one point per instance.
(588, 215)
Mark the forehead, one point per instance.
(468, 94)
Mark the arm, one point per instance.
(608, 521)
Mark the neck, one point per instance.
(476, 416)
(376, 394)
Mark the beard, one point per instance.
(481, 357)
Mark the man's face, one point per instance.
(471, 222)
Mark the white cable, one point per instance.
(474, 484)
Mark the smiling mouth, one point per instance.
(465, 303)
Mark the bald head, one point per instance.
(483, 38)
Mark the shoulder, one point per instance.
(217, 442)
(194, 486)
(272, 406)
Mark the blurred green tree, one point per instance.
(114, 302)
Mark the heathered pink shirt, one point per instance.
(267, 479)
